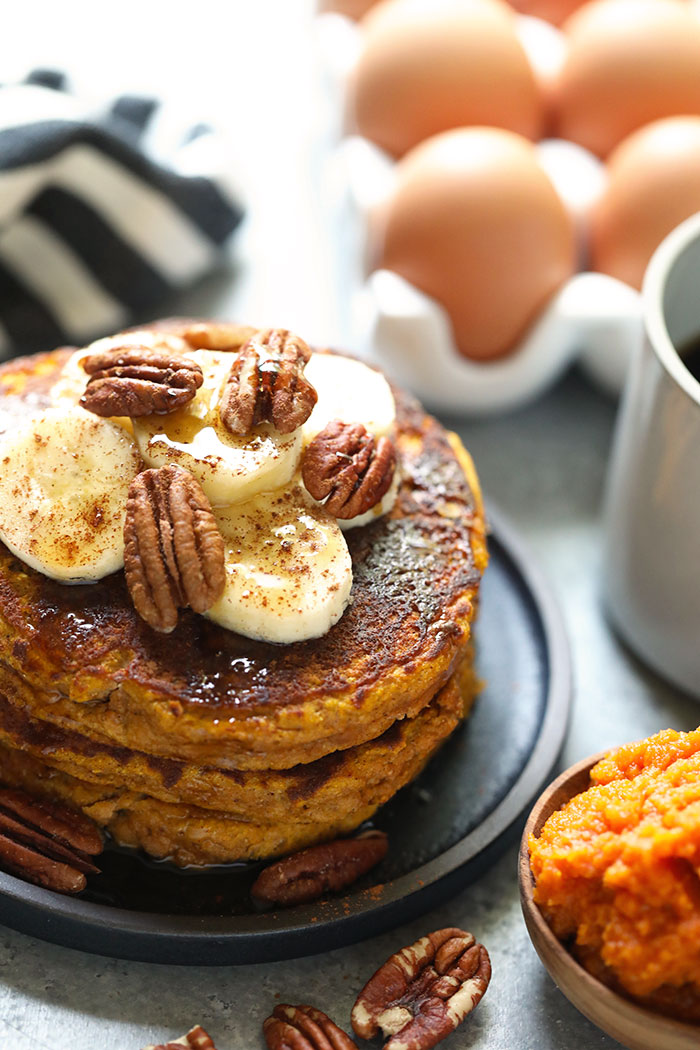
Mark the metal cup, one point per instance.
(652, 504)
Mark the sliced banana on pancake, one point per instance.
(350, 391)
(63, 486)
(72, 379)
(288, 568)
(230, 469)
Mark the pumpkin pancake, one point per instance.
(205, 746)
(210, 696)
(331, 786)
(203, 816)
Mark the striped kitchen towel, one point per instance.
(102, 213)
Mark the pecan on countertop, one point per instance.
(196, 1039)
(266, 384)
(138, 381)
(345, 466)
(307, 875)
(304, 1028)
(173, 550)
(422, 993)
(47, 843)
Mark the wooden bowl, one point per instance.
(632, 1025)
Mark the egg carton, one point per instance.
(593, 318)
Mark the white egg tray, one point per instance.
(593, 318)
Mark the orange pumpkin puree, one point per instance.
(617, 872)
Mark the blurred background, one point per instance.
(248, 69)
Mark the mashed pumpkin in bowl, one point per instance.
(617, 872)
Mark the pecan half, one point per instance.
(330, 867)
(196, 1039)
(266, 384)
(138, 381)
(46, 843)
(216, 335)
(347, 468)
(173, 550)
(423, 992)
(304, 1028)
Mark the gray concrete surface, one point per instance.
(249, 65)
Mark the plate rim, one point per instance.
(214, 940)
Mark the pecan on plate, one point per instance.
(307, 875)
(422, 993)
(196, 1039)
(173, 550)
(138, 381)
(46, 843)
(217, 335)
(304, 1028)
(347, 468)
(266, 384)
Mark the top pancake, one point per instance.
(209, 695)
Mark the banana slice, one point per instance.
(350, 391)
(70, 385)
(288, 568)
(230, 469)
(63, 487)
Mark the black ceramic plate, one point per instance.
(444, 830)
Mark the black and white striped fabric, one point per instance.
(102, 215)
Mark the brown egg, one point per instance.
(475, 223)
(653, 185)
(352, 8)
(430, 65)
(629, 62)
(554, 11)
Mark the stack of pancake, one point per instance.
(207, 747)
